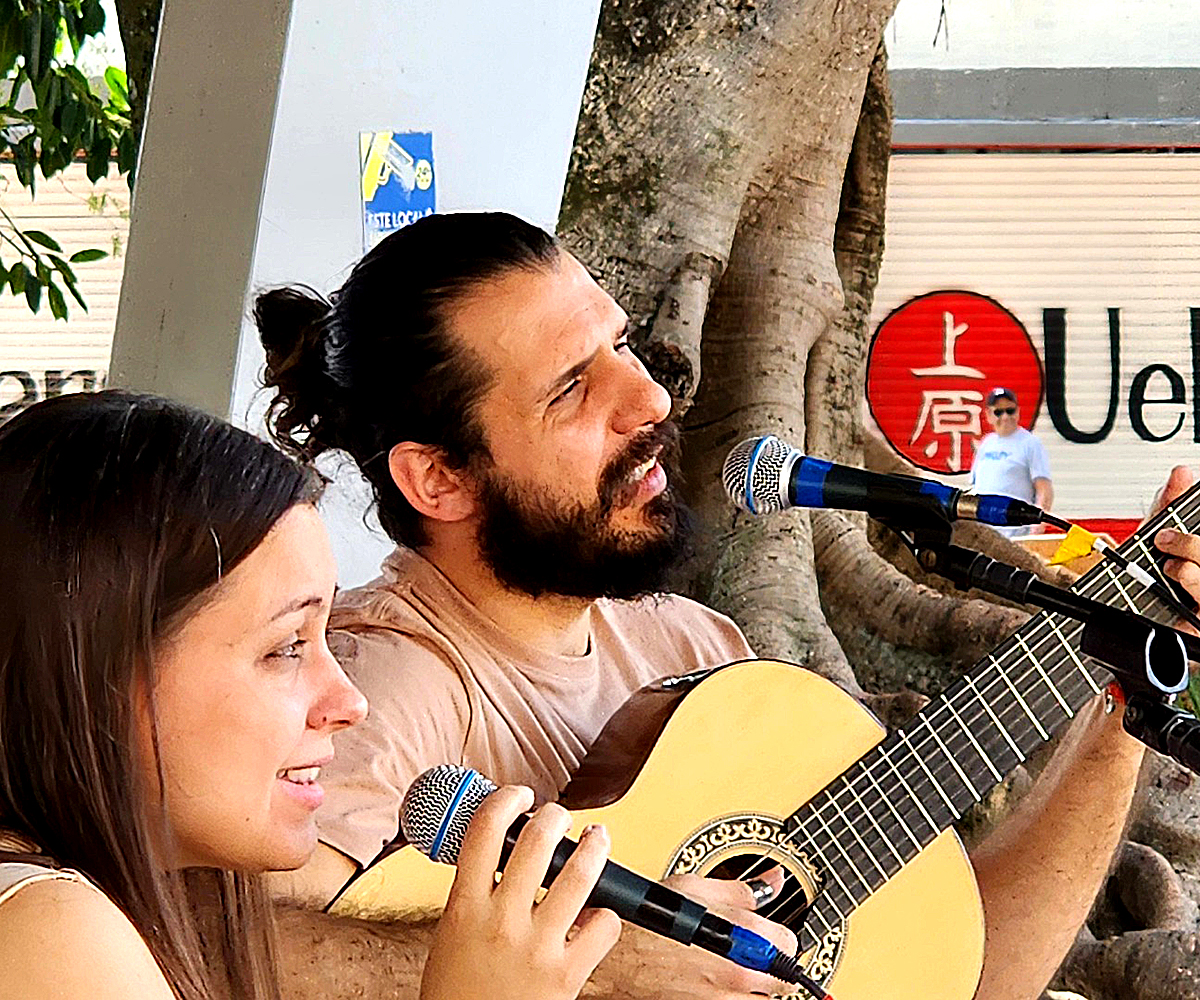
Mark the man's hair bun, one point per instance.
(294, 324)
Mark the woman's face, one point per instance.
(247, 698)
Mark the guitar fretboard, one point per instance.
(874, 818)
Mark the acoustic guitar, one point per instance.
(761, 762)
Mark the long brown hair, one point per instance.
(118, 512)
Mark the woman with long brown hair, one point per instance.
(166, 703)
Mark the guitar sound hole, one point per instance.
(787, 907)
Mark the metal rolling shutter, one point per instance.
(1089, 241)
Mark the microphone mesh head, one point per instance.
(438, 807)
(755, 474)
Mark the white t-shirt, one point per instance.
(1008, 465)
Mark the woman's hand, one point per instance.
(493, 941)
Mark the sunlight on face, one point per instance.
(247, 698)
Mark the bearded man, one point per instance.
(522, 461)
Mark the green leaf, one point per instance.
(98, 157)
(31, 44)
(58, 305)
(33, 294)
(74, 76)
(86, 256)
(23, 160)
(43, 239)
(69, 120)
(76, 296)
(17, 276)
(118, 87)
(93, 17)
(63, 268)
(126, 152)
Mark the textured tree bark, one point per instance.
(138, 21)
(704, 191)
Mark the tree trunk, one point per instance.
(138, 21)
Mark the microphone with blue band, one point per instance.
(764, 474)
(438, 808)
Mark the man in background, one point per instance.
(1011, 461)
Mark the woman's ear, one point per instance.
(434, 489)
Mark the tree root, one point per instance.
(868, 591)
(1141, 941)
(1141, 965)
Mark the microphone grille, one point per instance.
(754, 474)
(438, 807)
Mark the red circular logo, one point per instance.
(932, 363)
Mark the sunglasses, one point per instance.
(1004, 411)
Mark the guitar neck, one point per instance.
(878, 815)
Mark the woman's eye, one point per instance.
(289, 651)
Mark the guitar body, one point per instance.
(744, 748)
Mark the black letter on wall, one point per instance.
(1054, 324)
(1138, 400)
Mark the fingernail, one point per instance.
(1166, 536)
(594, 830)
(761, 889)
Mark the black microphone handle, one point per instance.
(631, 896)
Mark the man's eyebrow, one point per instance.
(299, 604)
(565, 378)
(576, 370)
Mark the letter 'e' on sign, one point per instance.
(398, 181)
(932, 363)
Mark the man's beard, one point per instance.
(536, 544)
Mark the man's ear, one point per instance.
(432, 487)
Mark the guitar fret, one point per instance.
(861, 843)
(887, 800)
(832, 868)
(929, 774)
(1041, 673)
(953, 763)
(1070, 651)
(971, 737)
(1021, 701)
(1115, 578)
(913, 797)
(961, 744)
(1000, 726)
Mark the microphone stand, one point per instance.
(1148, 660)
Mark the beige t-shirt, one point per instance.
(448, 685)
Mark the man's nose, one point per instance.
(641, 401)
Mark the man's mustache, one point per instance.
(616, 489)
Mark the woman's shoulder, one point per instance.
(61, 936)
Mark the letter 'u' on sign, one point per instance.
(398, 181)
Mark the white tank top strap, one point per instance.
(15, 875)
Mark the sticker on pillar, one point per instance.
(398, 182)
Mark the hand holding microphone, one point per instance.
(492, 941)
(436, 817)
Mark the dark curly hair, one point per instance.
(375, 364)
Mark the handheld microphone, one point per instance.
(764, 474)
(438, 808)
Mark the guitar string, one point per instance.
(1051, 629)
(849, 785)
(1111, 581)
